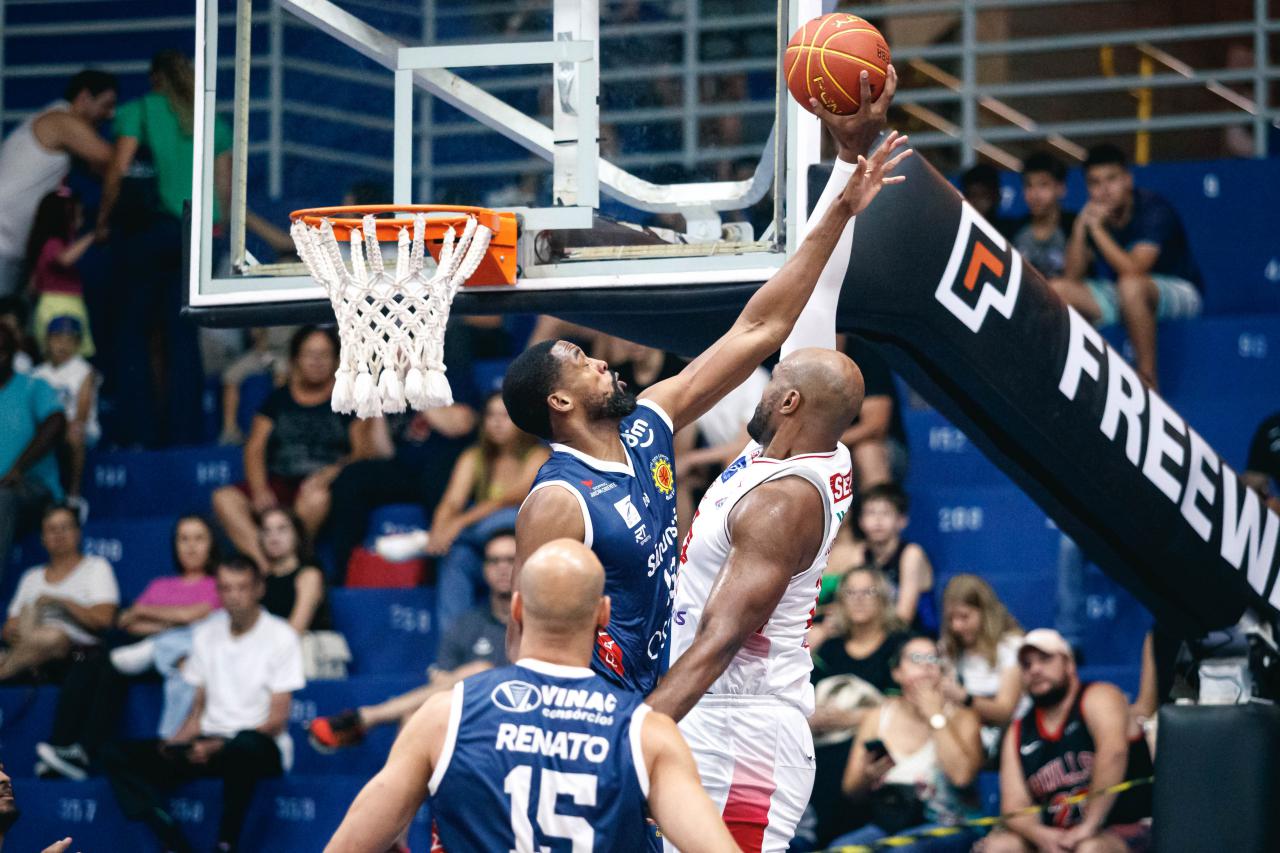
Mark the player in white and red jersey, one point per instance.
(751, 566)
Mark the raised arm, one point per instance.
(387, 804)
(676, 797)
(749, 585)
(767, 319)
(1106, 716)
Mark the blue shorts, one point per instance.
(1178, 299)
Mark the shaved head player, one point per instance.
(750, 570)
(610, 481)
(543, 752)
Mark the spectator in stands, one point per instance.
(916, 757)
(296, 448)
(13, 315)
(413, 455)
(476, 642)
(905, 564)
(980, 186)
(1262, 470)
(36, 157)
(53, 250)
(485, 490)
(31, 425)
(1042, 236)
(295, 588)
(980, 641)
(876, 439)
(9, 814)
(1128, 258)
(851, 672)
(76, 383)
(245, 665)
(59, 607)
(93, 691)
(268, 354)
(1096, 746)
(158, 399)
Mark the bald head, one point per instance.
(823, 386)
(561, 587)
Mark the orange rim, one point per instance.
(345, 218)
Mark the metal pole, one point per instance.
(240, 132)
(1260, 62)
(692, 18)
(968, 83)
(402, 149)
(426, 136)
(275, 127)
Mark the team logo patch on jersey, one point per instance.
(519, 697)
(626, 509)
(842, 486)
(663, 477)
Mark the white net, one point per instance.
(392, 325)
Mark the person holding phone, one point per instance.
(915, 758)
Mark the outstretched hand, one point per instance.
(873, 173)
(856, 132)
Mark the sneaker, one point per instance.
(135, 658)
(70, 762)
(329, 734)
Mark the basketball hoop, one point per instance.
(392, 322)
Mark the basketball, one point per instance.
(825, 57)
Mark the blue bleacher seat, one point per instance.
(158, 482)
(26, 715)
(390, 631)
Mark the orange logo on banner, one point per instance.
(982, 257)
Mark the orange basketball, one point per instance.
(825, 57)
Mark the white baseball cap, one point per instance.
(1046, 640)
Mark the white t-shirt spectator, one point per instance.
(980, 678)
(91, 582)
(239, 674)
(67, 379)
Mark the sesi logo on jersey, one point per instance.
(663, 477)
(842, 486)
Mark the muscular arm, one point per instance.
(1013, 791)
(768, 317)
(75, 136)
(749, 586)
(676, 797)
(547, 514)
(1106, 714)
(389, 801)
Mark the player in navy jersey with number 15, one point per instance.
(544, 754)
(610, 481)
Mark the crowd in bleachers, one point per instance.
(904, 635)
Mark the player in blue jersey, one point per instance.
(544, 754)
(610, 481)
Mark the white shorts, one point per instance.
(755, 756)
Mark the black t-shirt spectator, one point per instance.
(475, 636)
(879, 381)
(303, 439)
(1153, 221)
(1264, 450)
(833, 659)
(282, 592)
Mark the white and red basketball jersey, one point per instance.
(775, 660)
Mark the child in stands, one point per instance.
(75, 380)
(53, 250)
(905, 564)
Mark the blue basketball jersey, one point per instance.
(629, 511)
(541, 757)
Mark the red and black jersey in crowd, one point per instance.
(1058, 765)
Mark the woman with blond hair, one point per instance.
(980, 641)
